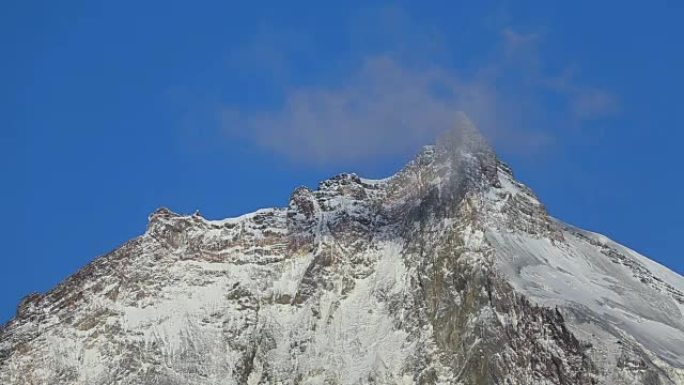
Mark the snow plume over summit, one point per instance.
(448, 272)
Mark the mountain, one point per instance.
(448, 272)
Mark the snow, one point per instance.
(576, 274)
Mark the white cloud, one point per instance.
(383, 109)
(391, 105)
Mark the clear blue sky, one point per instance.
(112, 109)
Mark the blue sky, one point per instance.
(112, 109)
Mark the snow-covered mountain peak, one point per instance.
(448, 272)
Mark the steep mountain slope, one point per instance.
(449, 272)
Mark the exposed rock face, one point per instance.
(449, 272)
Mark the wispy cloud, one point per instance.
(392, 102)
(382, 109)
(585, 102)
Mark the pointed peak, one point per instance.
(460, 157)
(463, 140)
(463, 137)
